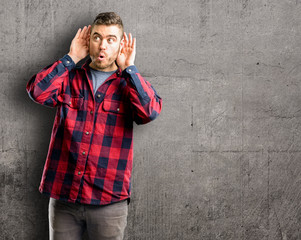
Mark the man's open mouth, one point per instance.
(101, 57)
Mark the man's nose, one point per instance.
(103, 44)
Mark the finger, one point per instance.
(134, 44)
(130, 40)
(88, 32)
(125, 37)
(88, 39)
(83, 32)
(78, 33)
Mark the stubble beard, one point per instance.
(103, 66)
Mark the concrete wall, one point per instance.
(223, 159)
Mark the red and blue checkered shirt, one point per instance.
(91, 148)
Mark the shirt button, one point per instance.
(84, 153)
(68, 62)
(98, 95)
(118, 109)
(91, 112)
(87, 133)
(130, 70)
(79, 173)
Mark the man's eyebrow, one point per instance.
(111, 35)
(96, 33)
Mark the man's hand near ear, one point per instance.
(79, 47)
(127, 54)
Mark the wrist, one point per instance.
(125, 67)
(74, 58)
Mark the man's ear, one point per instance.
(121, 44)
(89, 42)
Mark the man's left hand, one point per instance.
(126, 56)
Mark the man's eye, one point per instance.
(96, 38)
(110, 40)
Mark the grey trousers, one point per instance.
(68, 221)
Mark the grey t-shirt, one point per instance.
(99, 77)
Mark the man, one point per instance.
(87, 174)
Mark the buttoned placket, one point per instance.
(90, 118)
(84, 152)
(87, 133)
(87, 136)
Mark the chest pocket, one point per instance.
(74, 102)
(115, 106)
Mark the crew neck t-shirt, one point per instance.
(99, 77)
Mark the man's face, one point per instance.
(104, 47)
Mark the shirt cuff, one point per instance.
(68, 62)
(131, 72)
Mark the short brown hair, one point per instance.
(108, 18)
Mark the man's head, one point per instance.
(105, 41)
(107, 19)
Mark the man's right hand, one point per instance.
(79, 47)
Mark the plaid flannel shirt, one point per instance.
(91, 148)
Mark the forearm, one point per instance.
(45, 86)
(74, 58)
(146, 103)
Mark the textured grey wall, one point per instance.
(223, 159)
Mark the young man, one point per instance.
(87, 174)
